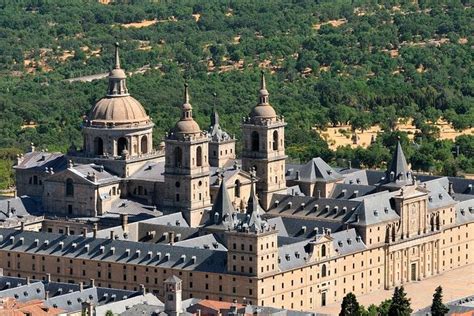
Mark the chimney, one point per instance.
(48, 278)
(27, 280)
(84, 232)
(92, 283)
(124, 218)
(94, 230)
(46, 295)
(297, 175)
(319, 194)
(8, 209)
(112, 234)
(142, 289)
(350, 164)
(81, 286)
(171, 237)
(67, 231)
(22, 226)
(450, 189)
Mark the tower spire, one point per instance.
(186, 108)
(117, 58)
(398, 170)
(263, 93)
(117, 78)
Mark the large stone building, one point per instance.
(271, 233)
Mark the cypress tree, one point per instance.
(400, 305)
(349, 306)
(437, 307)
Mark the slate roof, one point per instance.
(25, 292)
(223, 211)
(152, 233)
(375, 208)
(19, 207)
(254, 215)
(312, 208)
(465, 212)
(438, 196)
(107, 250)
(350, 191)
(132, 207)
(398, 173)
(216, 133)
(293, 255)
(144, 310)
(202, 242)
(102, 176)
(226, 173)
(38, 161)
(347, 241)
(151, 171)
(127, 304)
(303, 228)
(318, 170)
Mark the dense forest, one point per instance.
(328, 62)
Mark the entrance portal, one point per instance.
(413, 271)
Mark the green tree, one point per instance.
(437, 307)
(350, 306)
(400, 305)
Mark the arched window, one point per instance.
(323, 271)
(255, 141)
(144, 145)
(69, 187)
(237, 188)
(122, 145)
(178, 157)
(199, 156)
(323, 251)
(275, 140)
(98, 146)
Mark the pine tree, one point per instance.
(400, 305)
(437, 307)
(349, 306)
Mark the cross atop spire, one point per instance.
(117, 58)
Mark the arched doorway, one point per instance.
(122, 144)
(144, 145)
(98, 146)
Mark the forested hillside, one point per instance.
(358, 62)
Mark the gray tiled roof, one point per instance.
(374, 208)
(203, 242)
(119, 251)
(350, 191)
(38, 161)
(216, 133)
(347, 241)
(25, 292)
(127, 304)
(19, 206)
(222, 209)
(102, 175)
(398, 172)
(465, 211)
(318, 170)
(312, 208)
(438, 196)
(151, 171)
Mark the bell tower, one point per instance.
(187, 167)
(264, 147)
